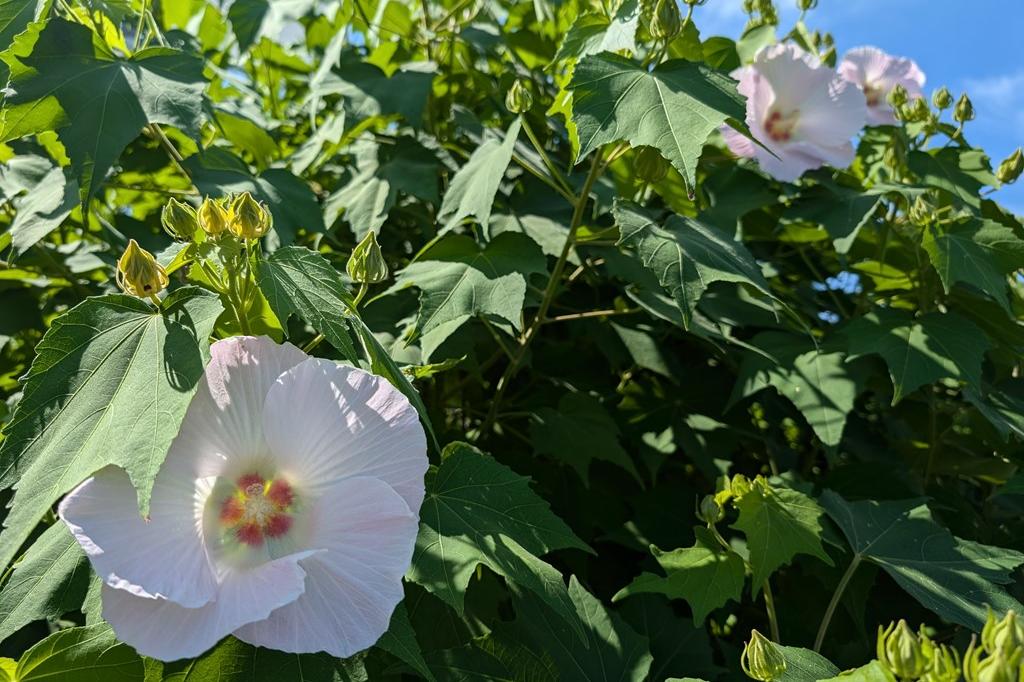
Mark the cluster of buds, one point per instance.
(241, 216)
(761, 12)
(1000, 655)
(139, 274)
(914, 656)
(762, 658)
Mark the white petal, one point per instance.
(352, 588)
(739, 144)
(167, 631)
(224, 422)
(161, 557)
(832, 115)
(325, 422)
(792, 73)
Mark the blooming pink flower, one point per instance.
(285, 513)
(799, 109)
(877, 73)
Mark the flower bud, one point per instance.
(898, 96)
(1000, 666)
(919, 110)
(806, 5)
(828, 40)
(250, 219)
(829, 56)
(899, 650)
(665, 21)
(942, 98)
(366, 264)
(964, 110)
(213, 217)
(649, 165)
(518, 99)
(1011, 167)
(179, 219)
(710, 512)
(762, 659)
(739, 486)
(922, 211)
(139, 274)
(1007, 633)
(695, 3)
(943, 661)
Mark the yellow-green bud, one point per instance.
(366, 264)
(917, 111)
(213, 217)
(665, 21)
(942, 98)
(898, 96)
(711, 512)
(1011, 167)
(829, 56)
(518, 99)
(250, 219)
(922, 211)
(739, 486)
(828, 40)
(762, 659)
(899, 650)
(1000, 666)
(695, 3)
(943, 661)
(806, 5)
(179, 219)
(1007, 633)
(139, 274)
(649, 165)
(964, 110)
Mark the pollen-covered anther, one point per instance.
(780, 126)
(258, 509)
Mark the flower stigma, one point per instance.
(257, 509)
(779, 126)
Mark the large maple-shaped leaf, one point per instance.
(673, 108)
(841, 211)
(97, 101)
(595, 32)
(686, 255)
(110, 384)
(80, 654)
(705, 575)
(957, 579)
(15, 16)
(961, 172)
(458, 280)
(232, 660)
(804, 665)
(478, 511)
(980, 253)
(920, 350)
(779, 524)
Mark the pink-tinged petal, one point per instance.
(789, 163)
(792, 74)
(163, 557)
(832, 115)
(353, 587)
(873, 70)
(739, 144)
(325, 422)
(168, 631)
(224, 422)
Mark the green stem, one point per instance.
(549, 293)
(589, 314)
(138, 27)
(555, 173)
(318, 339)
(836, 596)
(769, 607)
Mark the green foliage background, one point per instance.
(592, 352)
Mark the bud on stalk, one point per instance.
(1011, 167)
(213, 217)
(518, 99)
(899, 650)
(942, 98)
(666, 23)
(179, 219)
(366, 265)
(762, 659)
(249, 219)
(139, 274)
(964, 110)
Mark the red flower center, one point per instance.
(779, 126)
(258, 509)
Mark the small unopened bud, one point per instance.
(1000, 666)
(942, 98)
(762, 659)
(649, 165)
(250, 219)
(828, 40)
(964, 110)
(806, 5)
(898, 96)
(518, 99)
(1007, 633)
(1011, 167)
(213, 217)
(695, 3)
(139, 274)
(828, 57)
(943, 661)
(711, 512)
(899, 650)
(666, 23)
(739, 486)
(366, 265)
(179, 219)
(922, 211)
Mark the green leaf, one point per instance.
(96, 101)
(400, 642)
(610, 650)
(957, 579)
(822, 385)
(368, 92)
(459, 280)
(579, 432)
(919, 351)
(474, 186)
(253, 19)
(779, 524)
(86, 654)
(15, 16)
(685, 255)
(678, 646)
(872, 672)
(961, 172)
(109, 385)
(842, 212)
(217, 172)
(49, 581)
(804, 665)
(523, 661)
(705, 575)
(594, 32)
(42, 210)
(673, 108)
(235, 661)
(297, 281)
(981, 253)
(478, 511)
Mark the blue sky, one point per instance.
(974, 46)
